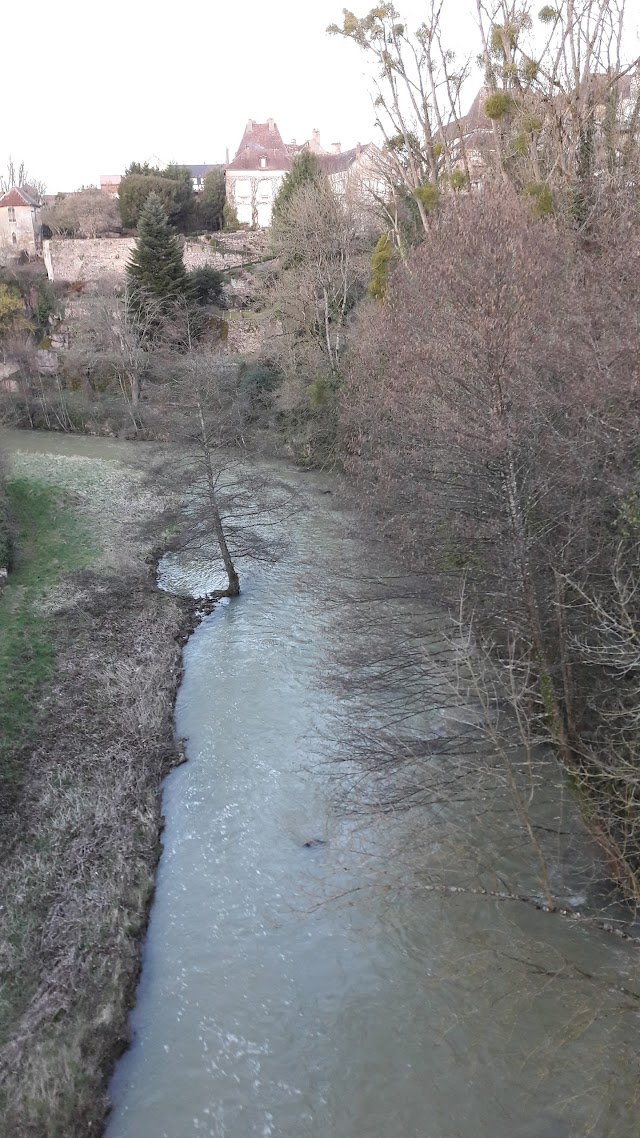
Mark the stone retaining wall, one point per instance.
(105, 258)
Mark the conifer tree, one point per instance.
(305, 169)
(156, 268)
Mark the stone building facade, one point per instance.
(20, 229)
(256, 173)
(263, 159)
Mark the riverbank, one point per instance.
(89, 669)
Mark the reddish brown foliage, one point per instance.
(492, 411)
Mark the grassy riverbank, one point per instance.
(89, 665)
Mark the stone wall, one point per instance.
(105, 258)
(20, 235)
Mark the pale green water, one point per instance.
(301, 993)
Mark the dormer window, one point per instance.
(263, 163)
(12, 213)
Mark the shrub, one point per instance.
(380, 264)
(205, 285)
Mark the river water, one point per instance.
(326, 991)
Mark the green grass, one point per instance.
(50, 539)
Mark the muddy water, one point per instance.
(324, 992)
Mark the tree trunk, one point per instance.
(233, 589)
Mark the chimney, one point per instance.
(336, 147)
(271, 125)
(315, 138)
(227, 156)
(358, 150)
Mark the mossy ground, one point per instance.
(49, 539)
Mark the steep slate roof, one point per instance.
(474, 122)
(261, 140)
(338, 163)
(17, 197)
(201, 171)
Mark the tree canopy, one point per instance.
(172, 185)
(87, 213)
(305, 170)
(210, 204)
(156, 268)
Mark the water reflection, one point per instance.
(307, 993)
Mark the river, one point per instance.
(324, 991)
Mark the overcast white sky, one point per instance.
(105, 84)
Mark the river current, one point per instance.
(321, 991)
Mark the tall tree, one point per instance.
(173, 185)
(417, 96)
(211, 204)
(156, 268)
(305, 170)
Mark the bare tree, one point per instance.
(226, 507)
(324, 265)
(491, 416)
(417, 96)
(18, 176)
(114, 339)
(87, 213)
(561, 92)
(558, 116)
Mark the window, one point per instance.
(12, 213)
(263, 163)
(15, 239)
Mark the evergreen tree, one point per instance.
(173, 185)
(156, 267)
(305, 169)
(213, 198)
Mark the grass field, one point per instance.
(49, 538)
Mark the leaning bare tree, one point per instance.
(226, 509)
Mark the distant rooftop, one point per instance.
(261, 147)
(17, 197)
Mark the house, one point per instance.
(358, 173)
(263, 159)
(20, 229)
(256, 173)
(474, 137)
(198, 175)
(109, 183)
(472, 140)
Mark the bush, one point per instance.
(259, 377)
(205, 285)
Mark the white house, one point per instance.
(255, 175)
(20, 229)
(263, 159)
